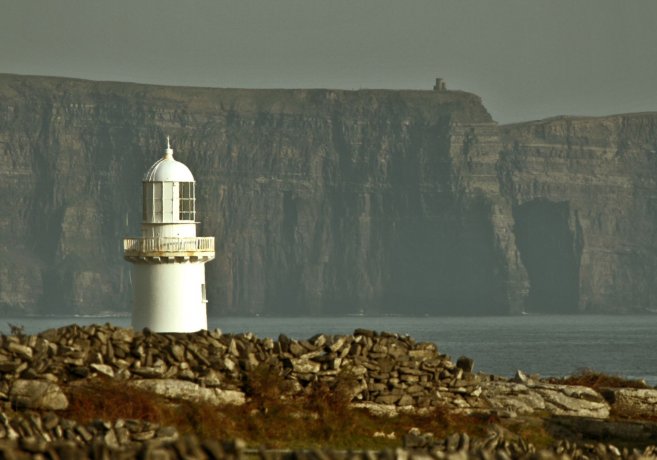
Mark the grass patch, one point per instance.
(597, 380)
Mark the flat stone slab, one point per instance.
(525, 399)
(182, 389)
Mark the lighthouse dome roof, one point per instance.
(166, 169)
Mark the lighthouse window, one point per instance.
(152, 205)
(157, 201)
(187, 201)
(147, 202)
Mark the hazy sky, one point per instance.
(527, 59)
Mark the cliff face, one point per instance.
(584, 196)
(320, 201)
(326, 202)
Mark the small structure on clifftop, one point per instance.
(169, 259)
(440, 85)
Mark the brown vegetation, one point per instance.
(598, 380)
(109, 399)
(318, 416)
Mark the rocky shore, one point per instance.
(388, 375)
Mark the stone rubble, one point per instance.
(386, 374)
(104, 441)
(497, 446)
(38, 432)
(384, 368)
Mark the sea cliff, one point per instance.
(328, 202)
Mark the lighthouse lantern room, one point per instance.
(169, 259)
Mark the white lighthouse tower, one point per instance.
(169, 259)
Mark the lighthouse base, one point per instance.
(169, 297)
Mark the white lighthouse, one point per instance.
(169, 259)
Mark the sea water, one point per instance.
(549, 345)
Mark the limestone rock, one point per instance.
(305, 366)
(103, 369)
(634, 401)
(181, 389)
(37, 394)
(518, 399)
(378, 410)
(572, 400)
(512, 399)
(23, 351)
(521, 377)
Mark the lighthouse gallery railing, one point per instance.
(135, 246)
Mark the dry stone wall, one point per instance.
(381, 368)
(382, 372)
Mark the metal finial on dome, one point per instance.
(169, 151)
